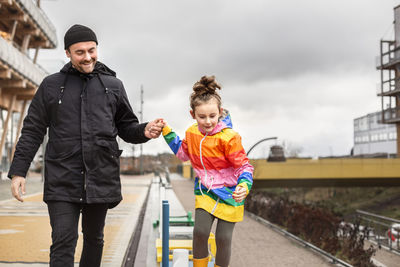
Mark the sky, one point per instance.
(298, 70)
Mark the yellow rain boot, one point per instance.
(200, 262)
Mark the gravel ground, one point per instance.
(253, 243)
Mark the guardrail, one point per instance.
(391, 114)
(382, 228)
(40, 18)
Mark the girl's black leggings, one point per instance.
(223, 237)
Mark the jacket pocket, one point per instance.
(62, 149)
(106, 169)
(107, 158)
(63, 169)
(110, 147)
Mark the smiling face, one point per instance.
(207, 114)
(83, 56)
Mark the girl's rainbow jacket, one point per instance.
(220, 163)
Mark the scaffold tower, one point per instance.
(388, 62)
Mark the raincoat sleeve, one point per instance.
(178, 146)
(236, 155)
(32, 133)
(129, 128)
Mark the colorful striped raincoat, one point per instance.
(220, 164)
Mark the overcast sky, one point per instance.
(300, 70)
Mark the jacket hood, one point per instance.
(226, 118)
(224, 122)
(98, 68)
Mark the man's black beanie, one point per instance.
(78, 33)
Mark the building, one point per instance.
(388, 62)
(373, 137)
(24, 30)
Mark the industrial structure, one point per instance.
(389, 65)
(24, 30)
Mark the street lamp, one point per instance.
(262, 140)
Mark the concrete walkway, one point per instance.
(253, 243)
(25, 233)
(25, 229)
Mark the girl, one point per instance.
(224, 175)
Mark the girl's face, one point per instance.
(207, 114)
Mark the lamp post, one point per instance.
(262, 140)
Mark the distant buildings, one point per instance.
(376, 133)
(373, 137)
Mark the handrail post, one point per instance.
(165, 233)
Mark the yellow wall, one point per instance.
(339, 168)
(186, 169)
(327, 168)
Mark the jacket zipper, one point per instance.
(204, 167)
(215, 207)
(83, 92)
(84, 180)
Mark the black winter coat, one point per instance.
(84, 114)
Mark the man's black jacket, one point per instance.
(84, 114)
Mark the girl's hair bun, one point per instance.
(204, 90)
(206, 85)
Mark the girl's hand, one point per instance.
(240, 194)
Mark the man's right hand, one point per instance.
(154, 128)
(17, 183)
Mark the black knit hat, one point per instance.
(78, 33)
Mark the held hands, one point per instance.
(18, 183)
(154, 128)
(240, 194)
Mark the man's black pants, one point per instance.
(64, 218)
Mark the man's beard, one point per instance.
(82, 69)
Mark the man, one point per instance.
(84, 107)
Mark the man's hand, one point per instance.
(154, 128)
(18, 182)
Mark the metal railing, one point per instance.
(20, 63)
(391, 114)
(389, 54)
(381, 229)
(388, 86)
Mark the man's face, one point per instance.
(83, 56)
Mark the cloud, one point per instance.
(299, 70)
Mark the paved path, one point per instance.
(25, 229)
(253, 243)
